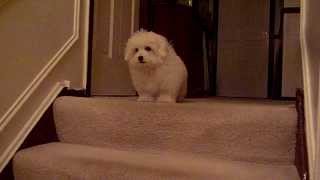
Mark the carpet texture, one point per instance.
(237, 130)
(200, 139)
(79, 162)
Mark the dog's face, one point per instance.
(146, 49)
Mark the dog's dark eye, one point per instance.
(147, 48)
(136, 49)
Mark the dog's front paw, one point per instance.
(145, 99)
(166, 99)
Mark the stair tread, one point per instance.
(239, 129)
(70, 161)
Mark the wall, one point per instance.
(292, 64)
(42, 50)
(310, 38)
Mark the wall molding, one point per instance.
(317, 148)
(30, 123)
(25, 95)
(133, 12)
(87, 41)
(111, 29)
(310, 132)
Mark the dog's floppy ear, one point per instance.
(164, 47)
(128, 53)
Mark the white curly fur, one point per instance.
(161, 75)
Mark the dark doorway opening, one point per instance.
(231, 48)
(281, 60)
(192, 28)
(224, 43)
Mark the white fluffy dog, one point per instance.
(156, 70)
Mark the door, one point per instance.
(242, 65)
(114, 22)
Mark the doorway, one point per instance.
(224, 43)
(191, 27)
(232, 48)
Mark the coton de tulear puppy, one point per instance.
(157, 72)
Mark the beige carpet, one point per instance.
(219, 139)
(76, 162)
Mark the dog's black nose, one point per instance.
(140, 58)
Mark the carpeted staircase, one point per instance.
(200, 139)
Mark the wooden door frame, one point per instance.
(90, 49)
(275, 67)
(274, 88)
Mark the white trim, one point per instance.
(310, 133)
(111, 28)
(5, 119)
(316, 169)
(133, 13)
(86, 43)
(317, 153)
(30, 123)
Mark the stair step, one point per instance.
(66, 161)
(238, 130)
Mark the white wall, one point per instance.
(310, 44)
(292, 64)
(43, 48)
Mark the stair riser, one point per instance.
(246, 132)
